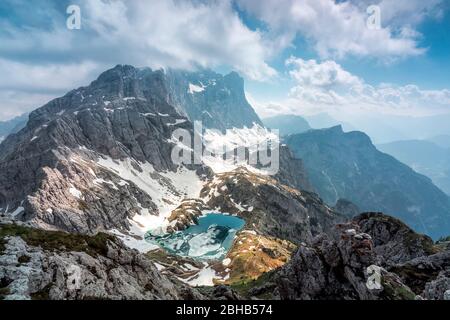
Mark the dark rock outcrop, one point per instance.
(428, 276)
(336, 267)
(350, 262)
(347, 208)
(393, 240)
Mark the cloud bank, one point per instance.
(41, 54)
(42, 59)
(337, 29)
(327, 87)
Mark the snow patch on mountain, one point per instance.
(177, 121)
(203, 278)
(166, 189)
(194, 88)
(75, 192)
(219, 144)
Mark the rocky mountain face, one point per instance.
(217, 101)
(347, 165)
(338, 265)
(99, 160)
(292, 171)
(51, 171)
(42, 265)
(124, 114)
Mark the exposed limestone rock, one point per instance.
(292, 171)
(181, 267)
(217, 101)
(65, 269)
(438, 289)
(48, 171)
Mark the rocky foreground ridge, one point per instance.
(35, 264)
(337, 265)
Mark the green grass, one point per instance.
(244, 287)
(57, 240)
(395, 291)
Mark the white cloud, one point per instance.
(327, 87)
(45, 77)
(152, 33)
(337, 29)
(326, 75)
(14, 103)
(28, 86)
(177, 34)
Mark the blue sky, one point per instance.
(297, 56)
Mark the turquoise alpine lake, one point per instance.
(210, 239)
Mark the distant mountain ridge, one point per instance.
(12, 126)
(347, 165)
(441, 140)
(287, 124)
(425, 157)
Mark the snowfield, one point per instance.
(218, 144)
(167, 190)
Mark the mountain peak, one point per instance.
(335, 129)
